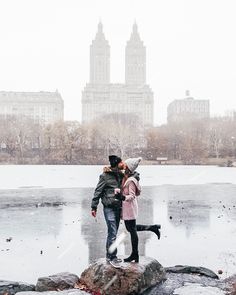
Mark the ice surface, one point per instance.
(57, 176)
(197, 211)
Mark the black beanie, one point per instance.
(114, 160)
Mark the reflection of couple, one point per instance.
(118, 191)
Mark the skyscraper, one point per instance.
(100, 59)
(135, 60)
(101, 98)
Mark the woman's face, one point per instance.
(122, 165)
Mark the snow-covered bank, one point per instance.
(45, 176)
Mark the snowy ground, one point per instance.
(87, 176)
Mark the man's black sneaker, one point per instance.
(118, 260)
(115, 262)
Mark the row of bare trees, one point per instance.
(193, 142)
(24, 142)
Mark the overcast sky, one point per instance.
(190, 45)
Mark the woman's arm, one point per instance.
(132, 192)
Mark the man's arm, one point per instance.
(98, 192)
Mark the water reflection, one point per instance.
(29, 197)
(192, 206)
(189, 214)
(94, 231)
(34, 222)
(203, 221)
(146, 211)
(30, 213)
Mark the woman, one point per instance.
(129, 193)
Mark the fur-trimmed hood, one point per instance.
(108, 169)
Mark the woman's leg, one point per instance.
(154, 228)
(131, 228)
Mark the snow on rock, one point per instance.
(197, 289)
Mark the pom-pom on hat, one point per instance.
(132, 163)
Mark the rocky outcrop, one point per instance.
(192, 270)
(189, 280)
(57, 282)
(65, 292)
(231, 285)
(10, 287)
(146, 278)
(130, 278)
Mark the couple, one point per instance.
(118, 188)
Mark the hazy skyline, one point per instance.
(190, 45)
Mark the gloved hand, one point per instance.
(116, 190)
(120, 197)
(94, 213)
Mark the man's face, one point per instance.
(122, 165)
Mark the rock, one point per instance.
(10, 287)
(231, 279)
(230, 283)
(65, 292)
(60, 281)
(192, 270)
(175, 281)
(131, 278)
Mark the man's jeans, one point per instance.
(112, 217)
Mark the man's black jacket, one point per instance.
(108, 181)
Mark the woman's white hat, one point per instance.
(133, 163)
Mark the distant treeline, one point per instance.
(69, 142)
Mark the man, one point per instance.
(110, 180)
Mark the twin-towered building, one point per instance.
(101, 98)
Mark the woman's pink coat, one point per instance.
(131, 189)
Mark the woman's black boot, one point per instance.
(133, 257)
(155, 228)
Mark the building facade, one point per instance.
(134, 97)
(42, 107)
(187, 109)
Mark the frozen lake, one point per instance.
(87, 176)
(196, 207)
